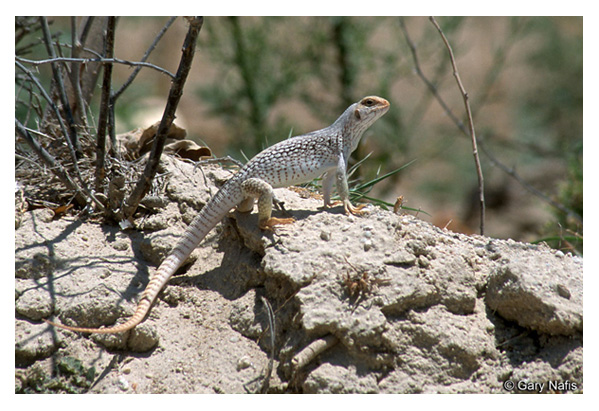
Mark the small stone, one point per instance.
(122, 383)
(401, 257)
(563, 291)
(243, 363)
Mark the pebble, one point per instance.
(122, 383)
(243, 363)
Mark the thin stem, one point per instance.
(95, 60)
(479, 171)
(141, 63)
(76, 73)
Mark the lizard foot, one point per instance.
(271, 222)
(332, 204)
(350, 209)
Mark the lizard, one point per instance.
(292, 161)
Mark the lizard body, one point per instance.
(296, 160)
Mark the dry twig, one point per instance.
(56, 167)
(96, 60)
(71, 137)
(509, 171)
(271, 357)
(479, 172)
(104, 106)
(144, 183)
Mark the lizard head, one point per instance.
(370, 108)
(364, 113)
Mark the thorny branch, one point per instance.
(456, 74)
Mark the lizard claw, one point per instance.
(350, 209)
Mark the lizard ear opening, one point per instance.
(357, 114)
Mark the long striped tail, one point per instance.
(216, 209)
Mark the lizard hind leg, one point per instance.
(246, 205)
(258, 188)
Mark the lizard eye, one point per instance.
(369, 102)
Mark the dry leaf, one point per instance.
(61, 210)
(188, 149)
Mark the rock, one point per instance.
(541, 294)
(34, 341)
(143, 338)
(34, 304)
(332, 379)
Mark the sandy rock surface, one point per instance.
(406, 307)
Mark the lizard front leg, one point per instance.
(257, 188)
(327, 188)
(343, 189)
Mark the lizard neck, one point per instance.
(350, 128)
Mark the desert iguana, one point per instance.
(296, 160)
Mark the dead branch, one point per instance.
(142, 63)
(144, 183)
(60, 121)
(479, 171)
(56, 167)
(114, 96)
(95, 60)
(104, 106)
(71, 138)
(76, 73)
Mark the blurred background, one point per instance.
(257, 80)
